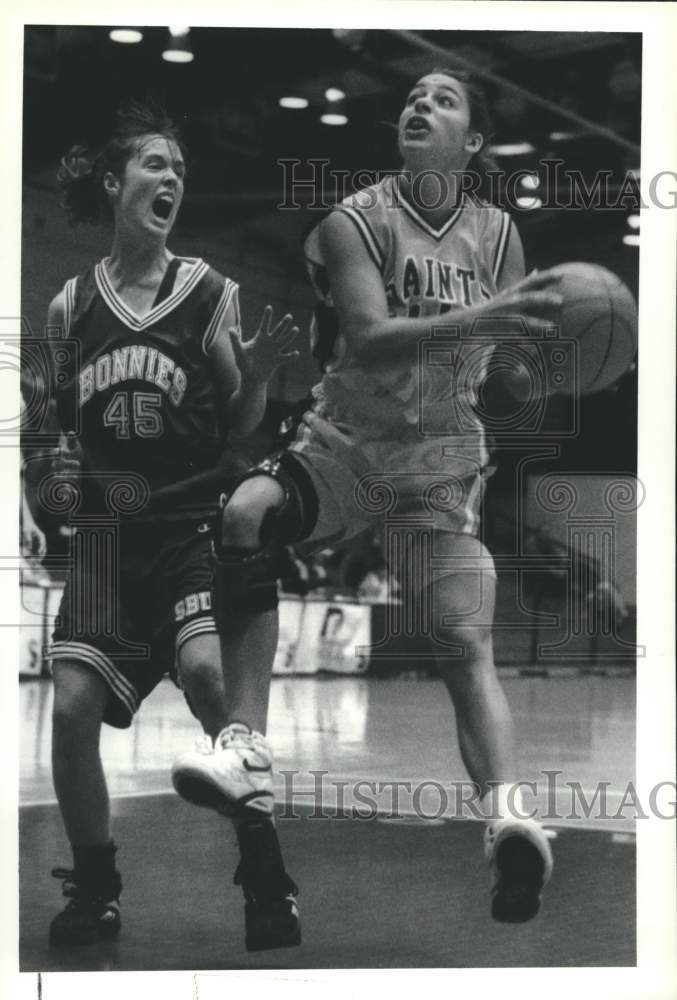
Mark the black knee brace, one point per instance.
(245, 581)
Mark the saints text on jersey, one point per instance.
(429, 281)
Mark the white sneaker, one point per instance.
(232, 776)
(520, 864)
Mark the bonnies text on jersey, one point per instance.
(138, 362)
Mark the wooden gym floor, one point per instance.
(386, 891)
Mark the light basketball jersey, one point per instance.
(425, 272)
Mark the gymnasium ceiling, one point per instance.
(226, 101)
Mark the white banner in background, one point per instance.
(33, 631)
(322, 636)
(291, 613)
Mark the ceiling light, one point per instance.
(293, 102)
(177, 56)
(334, 94)
(631, 239)
(178, 30)
(330, 118)
(529, 202)
(512, 149)
(126, 36)
(633, 221)
(530, 181)
(178, 50)
(562, 136)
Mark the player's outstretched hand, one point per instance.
(535, 299)
(261, 356)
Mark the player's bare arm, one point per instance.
(360, 300)
(67, 458)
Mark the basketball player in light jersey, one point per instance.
(162, 376)
(388, 436)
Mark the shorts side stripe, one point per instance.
(80, 651)
(203, 626)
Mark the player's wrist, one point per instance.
(254, 380)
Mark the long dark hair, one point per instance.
(481, 163)
(81, 171)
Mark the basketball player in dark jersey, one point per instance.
(387, 264)
(162, 376)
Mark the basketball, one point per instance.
(600, 314)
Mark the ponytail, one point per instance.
(79, 180)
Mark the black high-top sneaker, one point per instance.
(93, 888)
(271, 910)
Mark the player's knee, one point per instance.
(200, 667)
(245, 511)
(241, 524)
(262, 516)
(79, 701)
(474, 641)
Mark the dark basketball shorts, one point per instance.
(130, 603)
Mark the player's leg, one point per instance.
(238, 780)
(246, 594)
(91, 686)
(232, 771)
(282, 501)
(93, 885)
(80, 698)
(462, 604)
(201, 677)
(461, 599)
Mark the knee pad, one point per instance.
(245, 580)
(245, 583)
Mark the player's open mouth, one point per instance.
(162, 206)
(417, 125)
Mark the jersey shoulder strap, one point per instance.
(218, 294)
(495, 227)
(80, 292)
(370, 211)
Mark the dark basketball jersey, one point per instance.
(147, 398)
